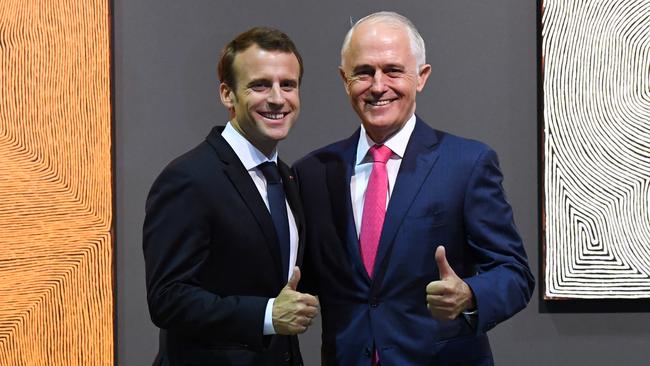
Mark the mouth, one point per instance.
(274, 116)
(379, 103)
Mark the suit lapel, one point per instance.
(241, 180)
(418, 159)
(339, 173)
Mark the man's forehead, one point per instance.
(255, 52)
(377, 42)
(377, 31)
(382, 57)
(258, 59)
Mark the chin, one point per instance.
(381, 123)
(277, 135)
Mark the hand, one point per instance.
(449, 296)
(293, 311)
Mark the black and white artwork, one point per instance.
(596, 149)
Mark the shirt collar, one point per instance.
(248, 154)
(397, 143)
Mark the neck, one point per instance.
(266, 147)
(380, 136)
(266, 150)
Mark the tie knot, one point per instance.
(270, 171)
(380, 153)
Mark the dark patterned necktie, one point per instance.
(278, 209)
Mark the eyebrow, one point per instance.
(362, 68)
(258, 81)
(264, 81)
(366, 67)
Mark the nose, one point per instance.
(275, 96)
(378, 82)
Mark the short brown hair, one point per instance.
(268, 39)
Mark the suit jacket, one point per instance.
(448, 192)
(212, 260)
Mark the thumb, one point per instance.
(443, 266)
(295, 278)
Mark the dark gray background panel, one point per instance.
(483, 86)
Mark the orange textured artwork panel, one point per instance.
(56, 239)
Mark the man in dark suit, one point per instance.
(413, 251)
(223, 227)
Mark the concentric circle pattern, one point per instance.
(56, 282)
(596, 67)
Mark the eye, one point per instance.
(394, 72)
(288, 85)
(363, 75)
(259, 86)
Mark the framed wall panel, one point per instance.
(56, 238)
(595, 149)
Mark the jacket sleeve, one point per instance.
(309, 276)
(504, 283)
(176, 240)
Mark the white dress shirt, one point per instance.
(251, 158)
(363, 167)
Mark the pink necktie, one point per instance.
(374, 206)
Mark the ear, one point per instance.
(345, 80)
(227, 96)
(423, 75)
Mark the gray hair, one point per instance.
(392, 18)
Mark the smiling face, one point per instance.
(265, 101)
(381, 77)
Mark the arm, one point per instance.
(176, 245)
(309, 281)
(503, 284)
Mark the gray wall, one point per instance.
(483, 86)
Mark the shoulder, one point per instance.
(424, 134)
(189, 169)
(459, 153)
(466, 145)
(194, 160)
(329, 153)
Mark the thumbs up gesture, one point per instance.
(293, 311)
(449, 296)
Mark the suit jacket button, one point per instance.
(287, 357)
(367, 352)
(374, 302)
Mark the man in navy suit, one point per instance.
(412, 246)
(224, 227)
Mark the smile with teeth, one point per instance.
(273, 115)
(379, 103)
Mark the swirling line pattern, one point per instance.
(56, 286)
(596, 67)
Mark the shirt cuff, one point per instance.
(268, 318)
(471, 312)
(471, 317)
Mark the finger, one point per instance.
(295, 278)
(441, 302)
(435, 300)
(444, 268)
(441, 313)
(310, 312)
(298, 329)
(436, 288)
(305, 321)
(303, 309)
(309, 300)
